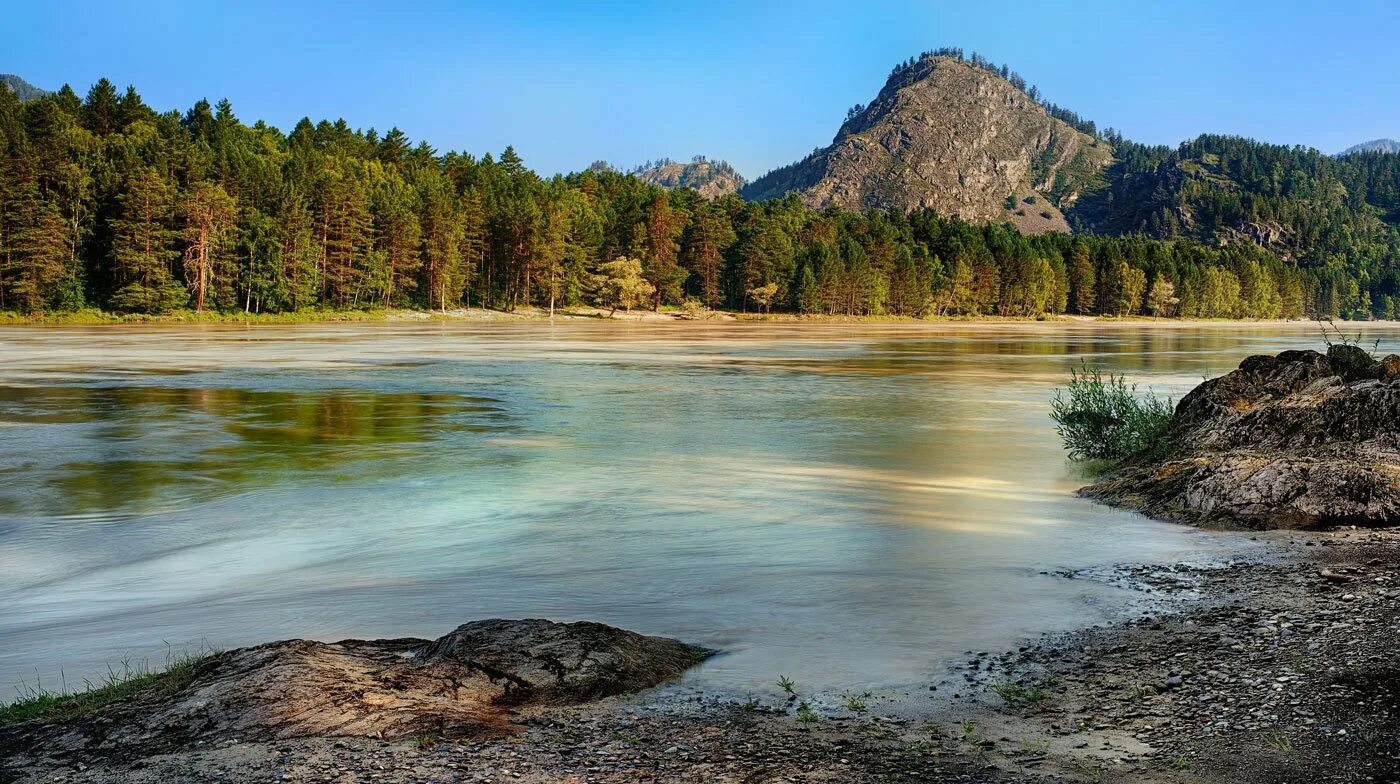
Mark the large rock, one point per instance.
(463, 684)
(1297, 440)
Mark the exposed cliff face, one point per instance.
(711, 178)
(1299, 440)
(953, 137)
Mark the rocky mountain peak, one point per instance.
(711, 178)
(953, 135)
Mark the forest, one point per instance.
(108, 204)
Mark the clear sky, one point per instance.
(757, 83)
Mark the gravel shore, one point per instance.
(1276, 669)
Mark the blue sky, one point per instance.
(757, 83)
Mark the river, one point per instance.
(852, 506)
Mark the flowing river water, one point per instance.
(852, 506)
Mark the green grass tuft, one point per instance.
(120, 683)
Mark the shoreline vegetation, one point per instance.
(107, 203)
(94, 317)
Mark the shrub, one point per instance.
(1101, 416)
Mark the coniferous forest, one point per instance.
(106, 203)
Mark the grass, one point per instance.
(1025, 694)
(855, 703)
(1278, 742)
(807, 715)
(124, 681)
(788, 685)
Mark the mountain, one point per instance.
(969, 139)
(711, 178)
(1225, 190)
(22, 89)
(957, 136)
(1375, 145)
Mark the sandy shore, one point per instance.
(1277, 669)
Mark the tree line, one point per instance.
(106, 203)
(1336, 218)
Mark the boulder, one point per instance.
(539, 661)
(466, 683)
(1297, 440)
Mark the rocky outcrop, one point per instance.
(710, 179)
(463, 684)
(954, 137)
(1298, 440)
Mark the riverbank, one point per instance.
(666, 315)
(1279, 668)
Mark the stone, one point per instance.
(1282, 442)
(464, 684)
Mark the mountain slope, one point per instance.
(22, 89)
(1375, 145)
(1228, 190)
(953, 136)
(711, 178)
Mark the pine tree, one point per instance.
(209, 214)
(143, 251)
(709, 237)
(661, 248)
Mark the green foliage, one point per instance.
(125, 681)
(621, 285)
(807, 715)
(856, 703)
(108, 204)
(1338, 216)
(1277, 742)
(1019, 694)
(788, 685)
(1100, 416)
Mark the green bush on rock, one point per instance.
(1100, 416)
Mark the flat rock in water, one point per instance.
(463, 684)
(1298, 440)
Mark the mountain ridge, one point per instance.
(22, 89)
(953, 135)
(1375, 145)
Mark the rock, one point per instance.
(1297, 440)
(1352, 362)
(1390, 367)
(541, 661)
(463, 684)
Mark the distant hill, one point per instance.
(22, 89)
(711, 178)
(969, 139)
(1375, 145)
(958, 136)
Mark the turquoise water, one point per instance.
(848, 505)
